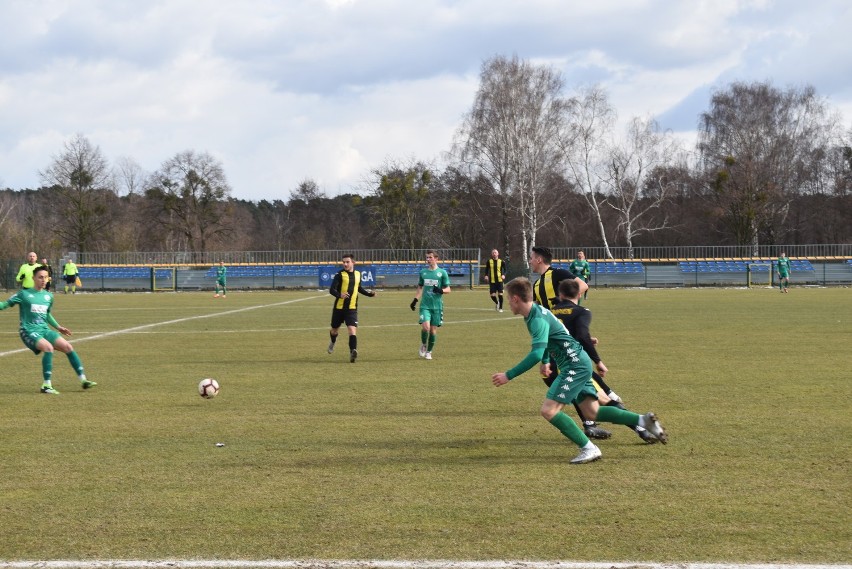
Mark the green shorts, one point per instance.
(31, 339)
(574, 383)
(433, 316)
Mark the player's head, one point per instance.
(521, 288)
(32, 258)
(432, 257)
(44, 261)
(40, 277)
(495, 253)
(348, 262)
(221, 263)
(581, 255)
(783, 253)
(540, 257)
(569, 289)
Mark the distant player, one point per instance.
(221, 280)
(580, 267)
(783, 270)
(36, 319)
(495, 274)
(346, 289)
(70, 274)
(550, 340)
(25, 273)
(434, 283)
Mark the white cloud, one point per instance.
(329, 89)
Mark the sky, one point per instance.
(283, 91)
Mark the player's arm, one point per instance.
(334, 289)
(365, 292)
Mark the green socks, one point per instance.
(47, 367)
(570, 429)
(618, 416)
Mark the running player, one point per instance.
(346, 287)
(36, 319)
(434, 283)
(574, 382)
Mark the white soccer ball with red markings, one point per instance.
(208, 388)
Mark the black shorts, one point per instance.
(339, 316)
(495, 287)
(70, 279)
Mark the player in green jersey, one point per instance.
(783, 270)
(221, 279)
(434, 283)
(550, 340)
(580, 267)
(36, 319)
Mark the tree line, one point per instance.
(530, 163)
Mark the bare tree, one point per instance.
(760, 147)
(637, 181)
(81, 178)
(130, 178)
(510, 137)
(585, 151)
(191, 190)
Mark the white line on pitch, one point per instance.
(383, 564)
(167, 322)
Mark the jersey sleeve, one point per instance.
(581, 328)
(334, 289)
(445, 279)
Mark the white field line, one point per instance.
(146, 329)
(382, 564)
(167, 322)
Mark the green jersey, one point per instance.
(429, 278)
(221, 273)
(580, 268)
(35, 309)
(783, 266)
(552, 339)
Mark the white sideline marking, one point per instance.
(167, 322)
(380, 564)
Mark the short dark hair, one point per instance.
(545, 254)
(569, 288)
(520, 287)
(348, 256)
(433, 253)
(40, 268)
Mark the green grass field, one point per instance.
(395, 457)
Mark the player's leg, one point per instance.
(618, 416)
(425, 317)
(352, 328)
(336, 321)
(65, 347)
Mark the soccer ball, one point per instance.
(208, 388)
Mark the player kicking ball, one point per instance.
(573, 384)
(35, 331)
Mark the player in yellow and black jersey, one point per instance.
(577, 319)
(346, 289)
(495, 274)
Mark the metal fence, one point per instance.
(663, 254)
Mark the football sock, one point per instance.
(579, 413)
(47, 367)
(333, 337)
(501, 301)
(494, 300)
(570, 429)
(353, 342)
(75, 362)
(618, 416)
(432, 339)
(424, 335)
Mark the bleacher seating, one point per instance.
(740, 266)
(610, 267)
